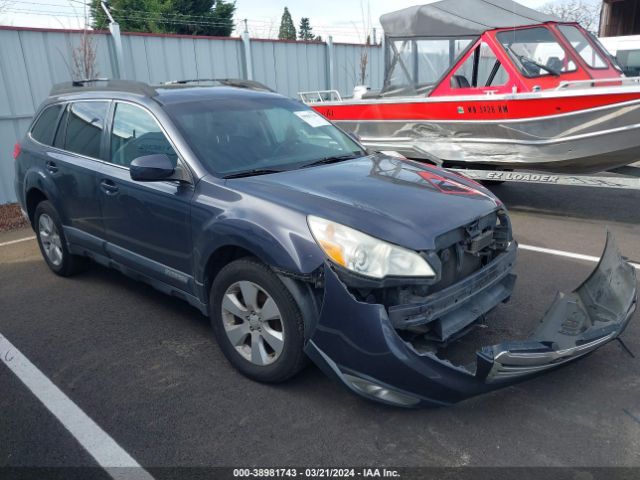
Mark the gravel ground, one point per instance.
(11, 218)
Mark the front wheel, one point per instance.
(52, 242)
(257, 322)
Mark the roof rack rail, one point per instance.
(84, 81)
(102, 84)
(227, 82)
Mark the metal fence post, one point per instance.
(331, 60)
(114, 28)
(248, 60)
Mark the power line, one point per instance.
(29, 4)
(41, 12)
(268, 29)
(273, 21)
(122, 17)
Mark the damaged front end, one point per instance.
(575, 324)
(391, 353)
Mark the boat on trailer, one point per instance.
(493, 85)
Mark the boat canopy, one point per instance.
(459, 18)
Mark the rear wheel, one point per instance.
(53, 244)
(257, 322)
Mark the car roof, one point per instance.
(167, 93)
(168, 96)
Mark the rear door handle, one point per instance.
(52, 167)
(108, 186)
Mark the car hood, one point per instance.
(400, 201)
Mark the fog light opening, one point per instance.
(380, 392)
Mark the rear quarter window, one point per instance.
(84, 128)
(45, 127)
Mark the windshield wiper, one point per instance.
(552, 71)
(252, 173)
(523, 58)
(331, 159)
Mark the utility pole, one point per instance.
(375, 37)
(248, 59)
(331, 60)
(114, 28)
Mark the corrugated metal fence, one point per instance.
(32, 60)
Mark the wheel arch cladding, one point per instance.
(301, 291)
(284, 251)
(34, 197)
(219, 259)
(39, 187)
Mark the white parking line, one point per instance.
(562, 253)
(109, 455)
(20, 240)
(531, 248)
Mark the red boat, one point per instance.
(493, 84)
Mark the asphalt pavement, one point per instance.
(145, 368)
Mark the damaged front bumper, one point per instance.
(358, 344)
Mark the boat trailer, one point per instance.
(627, 177)
(623, 177)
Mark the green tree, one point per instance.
(191, 17)
(287, 28)
(305, 32)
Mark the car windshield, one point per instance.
(259, 134)
(536, 52)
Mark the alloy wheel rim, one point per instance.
(253, 323)
(50, 239)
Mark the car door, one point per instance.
(73, 164)
(147, 224)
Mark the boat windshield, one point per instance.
(416, 65)
(582, 45)
(536, 52)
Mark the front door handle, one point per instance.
(52, 167)
(108, 186)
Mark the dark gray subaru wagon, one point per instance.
(295, 241)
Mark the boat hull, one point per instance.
(578, 140)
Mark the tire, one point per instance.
(264, 343)
(53, 244)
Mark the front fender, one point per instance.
(284, 249)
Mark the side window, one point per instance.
(135, 133)
(481, 69)
(84, 128)
(580, 42)
(45, 126)
(58, 140)
(630, 61)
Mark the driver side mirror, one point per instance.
(152, 168)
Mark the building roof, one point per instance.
(456, 18)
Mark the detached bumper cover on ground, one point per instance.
(357, 343)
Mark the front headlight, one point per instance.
(366, 255)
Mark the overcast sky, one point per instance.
(343, 19)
